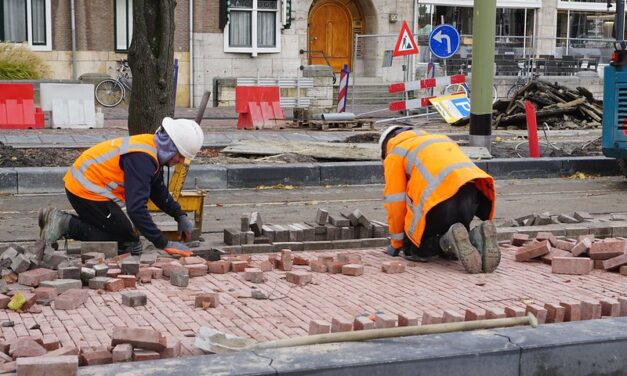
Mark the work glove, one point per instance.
(185, 227)
(176, 248)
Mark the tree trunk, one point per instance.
(151, 58)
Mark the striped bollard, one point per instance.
(343, 90)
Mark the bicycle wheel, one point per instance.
(455, 89)
(109, 93)
(495, 94)
(513, 90)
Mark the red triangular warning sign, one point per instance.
(405, 44)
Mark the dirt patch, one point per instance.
(362, 138)
(12, 157)
(554, 149)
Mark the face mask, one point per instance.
(165, 147)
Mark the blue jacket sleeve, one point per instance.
(142, 180)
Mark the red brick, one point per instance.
(564, 245)
(71, 299)
(25, 347)
(586, 236)
(429, 317)
(326, 260)
(349, 258)
(299, 260)
(65, 350)
(51, 342)
(90, 358)
(546, 235)
(341, 325)
(142, 338)
(218, 267)
(353, 269)
(615, 262)
(534, 250)
(538, 311)
(45, 293)
(571, 265)
(598, 264)
(452, 316)
(515, 311)
(581, 247)
(122, 353)
(335, 267)
(172, 348)
(253, 275)
(8, 367)
(474, 314)
(623, 305)
(407, 319)
(317, 266)
(393, 267)
(363, 323)
(173, 266)
(495, 313)
(193, 260)
(4, 301)
(48, 365)
(590, 310)
(610, 307)
(157, 273)
(554, 313)
(197, 270)
(519, 239)
(572, 310)
(141, 355)
(385, 320)
(555, 252)
(239, 266)
(607, 249)
(35, 276)
(114, 273)
(319, 327)
(115, 284)
(145, 274)
(264, 266)
(299, 277)
(207, 300)
(130, 281)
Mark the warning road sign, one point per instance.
(405, 44)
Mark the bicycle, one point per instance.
(465, 87)
(520, 83)
(111, 92)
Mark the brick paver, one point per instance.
(433, 287)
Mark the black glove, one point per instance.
(185, 227)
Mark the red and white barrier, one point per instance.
(343, 90)
(427, 83)
(410, 104)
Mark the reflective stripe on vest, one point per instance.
(396, 197)
(78, 172)
(397, 236)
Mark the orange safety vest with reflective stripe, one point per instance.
(96, 175)
(421, 171)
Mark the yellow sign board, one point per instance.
(452, 107)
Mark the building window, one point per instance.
(123, 24)
(253, 26)
(26, 21)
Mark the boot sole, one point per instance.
(466, 252)
(491, 256)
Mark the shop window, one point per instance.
(26, 21)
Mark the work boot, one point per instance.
(135, 248)
(54, 224)
(483, 237)
(456, 242)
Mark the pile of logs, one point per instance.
(558, 106)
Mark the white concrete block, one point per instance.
(72, 105)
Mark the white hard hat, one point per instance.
(186, 135)
(384, 135)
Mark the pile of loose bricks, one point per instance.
(45, 356)
(547, 218)
(346, 230)
(571, 256)
(549, 313)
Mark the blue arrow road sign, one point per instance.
(444, 41)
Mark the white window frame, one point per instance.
(254, 50)
(29, 29)
(499, 3)
(127, 24)
(584, 6)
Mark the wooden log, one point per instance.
(521, 118)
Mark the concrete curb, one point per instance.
(25, 180)
(580, 348)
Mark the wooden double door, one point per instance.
(331, 31)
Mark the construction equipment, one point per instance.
(614, 143)
(192, 200)
(211, 340)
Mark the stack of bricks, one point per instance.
(547, 218)
(379, 320)
(572, 256)
(346, 230)
(344, 263)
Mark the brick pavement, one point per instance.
(435, 287)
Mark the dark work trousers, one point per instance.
(99, 221)
(461, 207)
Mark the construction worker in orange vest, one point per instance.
(125, 172)
(432, 193)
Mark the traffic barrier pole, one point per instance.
(532, 130)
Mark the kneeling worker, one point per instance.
(432, 193)
(121, 172)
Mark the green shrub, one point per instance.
(18, 62)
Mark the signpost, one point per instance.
(444, 41)
(405, 44)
